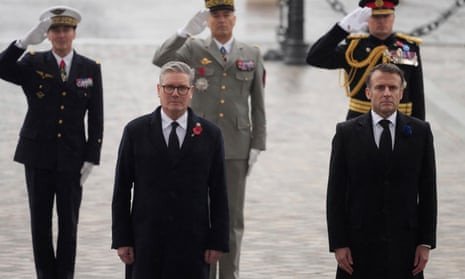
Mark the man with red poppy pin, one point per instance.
(229, 91)
(363, 39)
(170, 207)
(382, 197)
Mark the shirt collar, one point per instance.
(166, 120)
(68, 58)
(376, 118)
(227, 45)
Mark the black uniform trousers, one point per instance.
(43, 186)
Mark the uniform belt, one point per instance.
(365, 106)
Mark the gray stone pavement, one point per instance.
(285, 233)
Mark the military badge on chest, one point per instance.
(402, 54)
(84, 82)
(201, 83)
(245, 65)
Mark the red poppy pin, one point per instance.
(197, 130)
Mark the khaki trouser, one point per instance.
(228, 267)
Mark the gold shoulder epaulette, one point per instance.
(97, 62)
(410, 39)
(352, 36)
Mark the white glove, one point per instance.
(356, 21)
(36, 35)
(196, 25)
(253, 156)
(85, 171)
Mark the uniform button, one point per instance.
(221, 101)
(63, 93)
(40, 86)
(62, 107)
(99, 140)
(221, 114)
(59, 135)
(60, 121)
(225, 74)
(223, 87)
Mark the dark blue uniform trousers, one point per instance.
(43, 186)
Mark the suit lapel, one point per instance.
(236, 50)
(75, 65)
(401, 136)
(52, 65)
(189, 139)
(212, 48)
(156, 133)
(365, 132)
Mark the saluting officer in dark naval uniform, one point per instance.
(360, 52)
(61, 87)
(229, 91)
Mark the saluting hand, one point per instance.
(196, 24)
(356, 21)
(37, 34)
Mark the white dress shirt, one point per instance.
(180, 130)
(68, 60)
(378, 129)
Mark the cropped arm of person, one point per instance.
(326, 51)
(174, 48)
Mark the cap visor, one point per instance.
(382, 12)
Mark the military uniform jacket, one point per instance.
(53, 134)
(403, 50)
(230, 94)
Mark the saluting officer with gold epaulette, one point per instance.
(357, 53)
(56, 146)
(228, 91)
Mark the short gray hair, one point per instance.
(177, 67)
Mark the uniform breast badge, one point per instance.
(40, 94)
(201, 83)
(205, 61)
(245, 65)
(402, 55)
(84, 82)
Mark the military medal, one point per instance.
(84, 82)
(201, 84)
(245, 65)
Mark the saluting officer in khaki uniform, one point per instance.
(229, 92)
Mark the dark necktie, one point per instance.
(385, 141)
(173, 141)
(223, 53)
(63, 70)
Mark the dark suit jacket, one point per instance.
(53, 134)
(177, 205)
(371, 203)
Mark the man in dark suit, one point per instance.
(229, 91)
(343, 47)
(381, 199)
(170, 207)
(61, 87)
